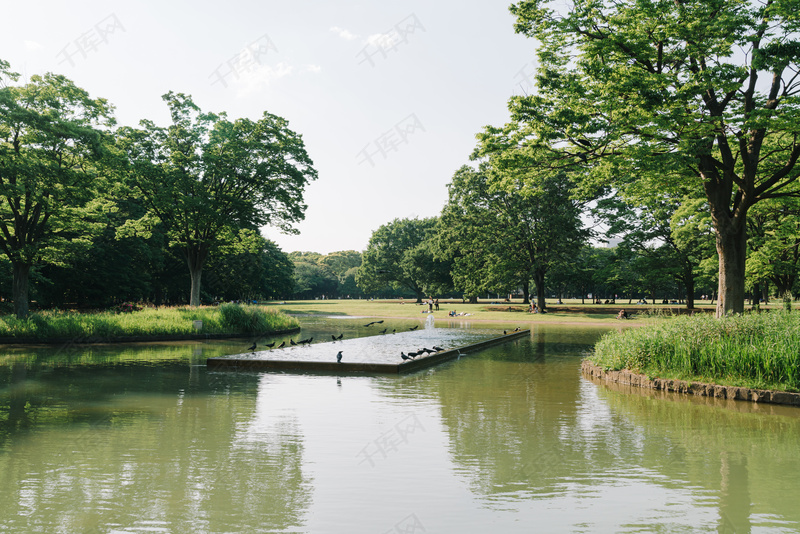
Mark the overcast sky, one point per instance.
(387, 95)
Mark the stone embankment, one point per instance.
(691, 388)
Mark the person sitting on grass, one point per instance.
(622, 314)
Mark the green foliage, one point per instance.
(252, 319)
(207, 178)
(664, 96)
(226, 319)
(754, 350)
(401, 254)
(504, 228)
(52, 141)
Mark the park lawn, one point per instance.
(572, 311)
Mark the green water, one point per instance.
(513, 439)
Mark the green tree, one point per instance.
(397, 254)
(249, 267)
(51, 139)
(205, 177)
(524, 226)
(670, 89)
(775, 246)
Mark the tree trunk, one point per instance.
(473, 299)
(526, 289)
(195, 258)
(688, 281)
(19, 289)
(538, 280)
(732, 250)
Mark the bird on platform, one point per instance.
(426, 350)
(504, 332)
(404, 356)
(516, 329)
(283, 344)
(339, 357)
(270, 345)
(437, 349)
(291, 341)
(252, 347)
(333, 337)
(414, 327)
(340, 336)
(413, 354)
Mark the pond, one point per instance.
(143, 438)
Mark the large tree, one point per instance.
(400, 253)
(51, 138)
(206, 177)
(704, 88)
(520, 227)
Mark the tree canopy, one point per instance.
(51, 138)
(205, 177)
(670, 92)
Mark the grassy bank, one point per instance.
(571, 311)
(753, 350)
(226, 319)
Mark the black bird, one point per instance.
(516, 329)
(291, 341)
(393, 330)
(283, 343)
(403, 355)
(252, 347)
(426, 350)
(340, 336)
(414, 327)
(413, 354)
(437, 349)
(384, 331)
(504, 332)
(333, 337)
(370, 324)
(339, 357)
(379, 322)
(270, 345)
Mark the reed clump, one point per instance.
(751, 350)
(226, 319)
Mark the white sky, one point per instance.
(345, 74)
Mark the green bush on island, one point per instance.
(224, 319)
(751, 350)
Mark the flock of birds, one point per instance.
(405, 356)
(252, 348)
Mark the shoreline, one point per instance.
(156, 338)
(626, 377)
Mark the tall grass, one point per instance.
(225, 319)
(753, 350)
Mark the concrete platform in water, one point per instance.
(421, 362)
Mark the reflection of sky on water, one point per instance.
(380, 348)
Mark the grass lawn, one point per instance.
(571, 311)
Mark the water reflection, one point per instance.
(511, 439)
(138, 447)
